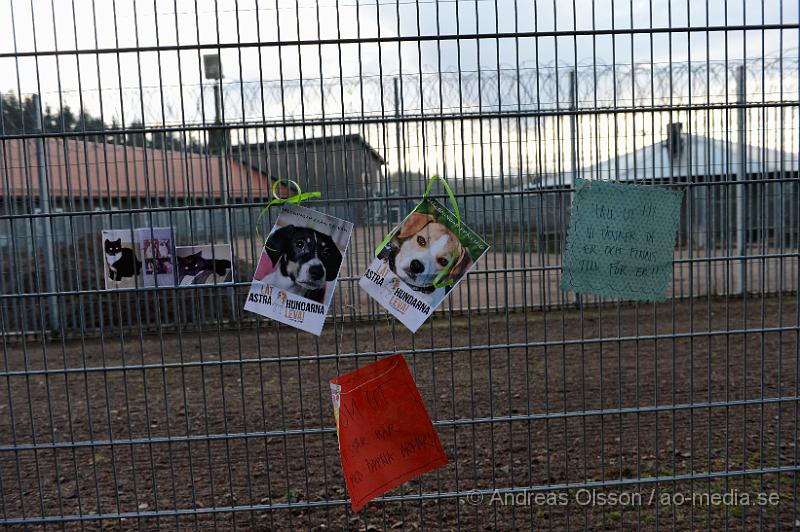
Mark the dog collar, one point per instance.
(423, 289)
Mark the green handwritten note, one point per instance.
(621, 240)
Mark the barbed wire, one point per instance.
(525, 89)
(529, 88)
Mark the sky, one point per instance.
(85, 25)
(165, 84)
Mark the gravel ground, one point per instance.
(210, 420)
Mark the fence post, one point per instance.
(401, 182)
(573, 136)
(44, 207)
(573, 122)
(741, 176)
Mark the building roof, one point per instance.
(77, 168)
(698, 156)
(334, 144)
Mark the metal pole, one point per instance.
(221, 149)
(44, 207)
(741, 176)
(573, 126)
(400, 180)
(221, 136)
(573, 139)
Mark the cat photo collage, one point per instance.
(147, 256)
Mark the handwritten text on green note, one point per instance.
(621, 240)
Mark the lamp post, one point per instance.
(218, 138)
(213, 71)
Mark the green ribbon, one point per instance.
(437, 281)
(296, 199)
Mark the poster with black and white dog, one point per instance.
(424, 258)
(296, 274)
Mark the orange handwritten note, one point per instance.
(385, 433)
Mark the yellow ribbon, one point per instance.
(296, 199)
(437, 281)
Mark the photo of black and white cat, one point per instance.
(123, 266)
(204, 265)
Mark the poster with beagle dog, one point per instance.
(427, 255)
(296, 274)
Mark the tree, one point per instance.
(17, 117)
(136, 138)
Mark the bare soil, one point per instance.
(213, 420)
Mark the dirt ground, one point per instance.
(241, 419)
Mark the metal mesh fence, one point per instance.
(171, 407)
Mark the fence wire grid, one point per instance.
(169, 407)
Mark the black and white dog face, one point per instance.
(304, 258)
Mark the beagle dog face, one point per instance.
(426, 247)
(306, 256)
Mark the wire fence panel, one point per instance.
(172, 407)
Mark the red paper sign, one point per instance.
(385, 433)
